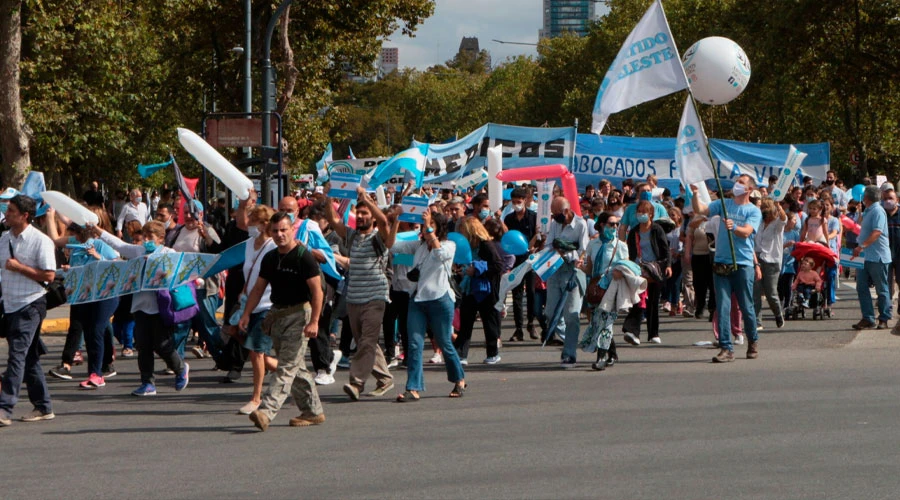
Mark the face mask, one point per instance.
(852, 210)
(609, 233)
(291, 216)
(3, 208)
(561, 218)
(889, 205)
(484, 214)
(643, 218)
(619, 213)
(739, 189)
(829, 183)
(254, 231)
(149, 246)
(137, 200)
(810, 198)
(518, 207)
(646, 196)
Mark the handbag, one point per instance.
(723, 269)
(178, 304)
(594, 294)
(235, 317)
(651, 271)
(454, 285)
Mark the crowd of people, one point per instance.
(326, 277)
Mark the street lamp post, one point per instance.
(268, 104)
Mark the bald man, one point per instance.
(569, 232)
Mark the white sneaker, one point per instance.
(464, 362)
(337, 354)
(632, 338)
(394, 363)
(437, 359)
(656, 340)
(739, 340)
(324, 378)
(493, 360)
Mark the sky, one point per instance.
(437, 39)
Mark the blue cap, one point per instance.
(198, 207)
(41, 209)
(9, 194)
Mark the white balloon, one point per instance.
(215, 163)
(717, 69)
(70, 208)
(495, 187)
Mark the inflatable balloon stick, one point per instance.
(207, 156)
(570, 191)
(569, 187)
(849, 225)
(495, 185)
(78, 213)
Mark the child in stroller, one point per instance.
(807, 281)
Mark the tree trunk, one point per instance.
(15, 160)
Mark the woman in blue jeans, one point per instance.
(431, 305)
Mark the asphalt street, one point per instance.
(814, 418)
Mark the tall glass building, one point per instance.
(569, 15)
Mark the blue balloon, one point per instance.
(463, 255)
(507, 194)
(514, 243)
(856, 192)
(407, 236)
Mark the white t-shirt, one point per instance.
(252, 262)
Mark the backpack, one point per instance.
(381, 250)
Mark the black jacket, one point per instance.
(658, 242)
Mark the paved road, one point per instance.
(814, 418)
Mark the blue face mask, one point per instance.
(643, 218)
(291, 216)
(3, 208)
(484, 214)
(646, 196)
(609, 233)
(149, 246)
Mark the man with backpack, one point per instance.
(368, 289)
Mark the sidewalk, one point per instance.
(57, 321)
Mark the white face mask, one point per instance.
(619, 213)
(254, 231)
(739, 189)
(518, 207)
(137, 200)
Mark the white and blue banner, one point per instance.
(522, 147)
(413, 208)
(344, 186)
(619, 158)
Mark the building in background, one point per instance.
(574, 16)
(469, 52)
(388, 61)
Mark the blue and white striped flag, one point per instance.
(322, 167)
(412, 160)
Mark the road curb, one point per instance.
(61, 326)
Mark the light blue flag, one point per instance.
(411, 160)
(228, 259)
(352, 156)
(315, 241)
(147, 170)
(34, 185)
(321, 167)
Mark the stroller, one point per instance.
(823, 257)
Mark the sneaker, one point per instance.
(110, 371)
(351, 391)
(324, 378)
(738, 340)
(752, 350)
(182, 379)
(465, 362)
(437, 359)
(779, 322)
(864, 324)
(144, 390)
(5, 421)
(37, 416)
(259, 420)
(805, 304)
(248, 408)
(343, 363)
(492, 360)
(687, 314)
(167, 371)
(882, 325)
(667, 306)
(231, 377)
(62, 372)
(94, 381)
(724, 356)
(381, 390)
(759, 327)
(534, 336)
(896, 329)
(335, 359)
(302, 421)
(656, 340)
(393, 363)
(632, 339)
(680, 309)
(567, 363)
(127, 353)
(197, 351)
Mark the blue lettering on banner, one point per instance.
(640, 48)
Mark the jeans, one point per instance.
(831, 285)
(490, 322)
(206, 325)
(768, 285)
(437, 315)
(95, 319)
(24, 361)
(125, 333)
(395, 322)
(151, 335)
(874, 273)
(672, 289)
(557, 290)
(74, 336)
(784, 289)
(523, 303)
(739, 283)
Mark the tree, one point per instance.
(14, 135)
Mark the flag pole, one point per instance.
(720, 191)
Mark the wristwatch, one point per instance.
(429, 230)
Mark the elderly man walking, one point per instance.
(873, 239)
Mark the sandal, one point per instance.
(407, 397)
(458, 390)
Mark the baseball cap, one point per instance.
(887, 186)
(9, 194)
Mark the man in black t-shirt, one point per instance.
(524, 221)
(296, 297)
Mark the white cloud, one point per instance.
(437, 39)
